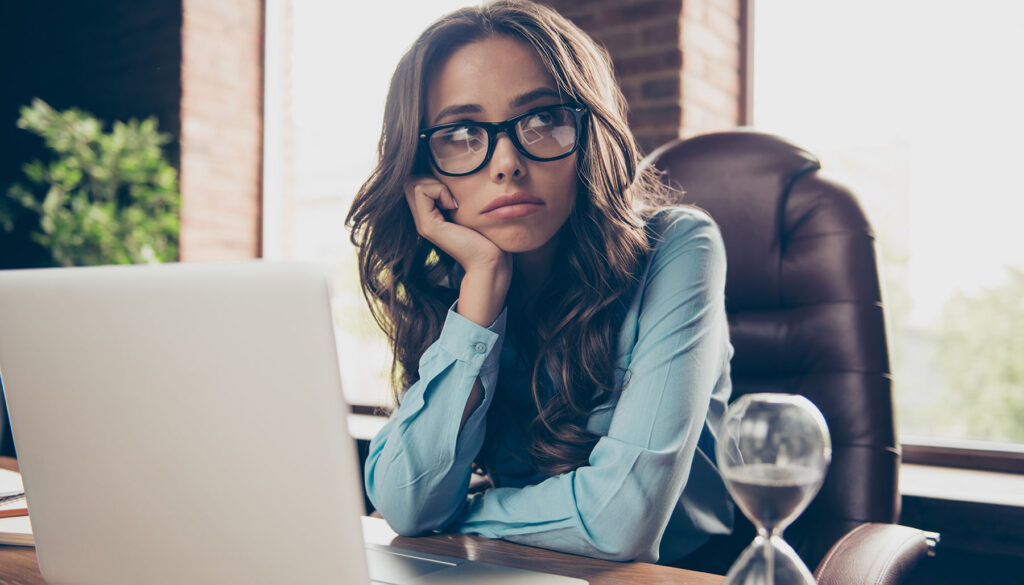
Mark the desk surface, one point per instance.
(18, 564)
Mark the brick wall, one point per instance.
(714, 69)
(221, 129)
(679, 62)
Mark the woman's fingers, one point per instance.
(437, 191)
(432, 207)
(432, 189)
(422, 202)
(447, 200)
(428, 198)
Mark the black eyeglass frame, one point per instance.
(509, 128)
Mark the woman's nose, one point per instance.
(506, 162)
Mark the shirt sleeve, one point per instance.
(618, 506)
(419, 464)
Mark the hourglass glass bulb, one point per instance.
(772, 496)
(773, 451)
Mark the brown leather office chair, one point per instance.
(805, 315)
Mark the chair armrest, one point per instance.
(875, 554)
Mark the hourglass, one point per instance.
(773, 451)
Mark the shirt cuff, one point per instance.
(469, 342)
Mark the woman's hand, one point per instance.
(431, 203)
(488, 267)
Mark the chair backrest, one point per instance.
(805, 312)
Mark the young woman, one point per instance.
(549, 324)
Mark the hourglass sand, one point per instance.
(773, 450)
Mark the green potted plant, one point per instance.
(104, 197)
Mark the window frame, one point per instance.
(964, 454)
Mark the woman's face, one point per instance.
(491, 81)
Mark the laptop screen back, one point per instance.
(181, 424)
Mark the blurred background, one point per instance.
(912, 104)
(263, 118)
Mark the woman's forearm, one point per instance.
(418, 466)
(483, 290)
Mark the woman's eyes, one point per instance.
(462, 133)
(540, 119)
(472, 132)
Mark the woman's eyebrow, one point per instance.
(516, 102)
(457, 110)
(534, 95)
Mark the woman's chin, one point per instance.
(522, 243)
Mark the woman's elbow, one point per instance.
(630, 537)
(622, 549)
(408, 525)
(410, 519)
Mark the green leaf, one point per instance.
(104, 197)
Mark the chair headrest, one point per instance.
(742, 179)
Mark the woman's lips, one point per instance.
(514, 211)
(512, 206)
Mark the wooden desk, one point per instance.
(18, 564)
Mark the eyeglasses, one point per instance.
(542, 134)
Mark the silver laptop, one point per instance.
(185, 424)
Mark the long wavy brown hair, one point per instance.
(569, 331)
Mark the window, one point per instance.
(328, 66)
(917, 107)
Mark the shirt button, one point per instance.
(480, 347)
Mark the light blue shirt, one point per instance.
(651, 489)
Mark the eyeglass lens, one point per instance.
(543, 134)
